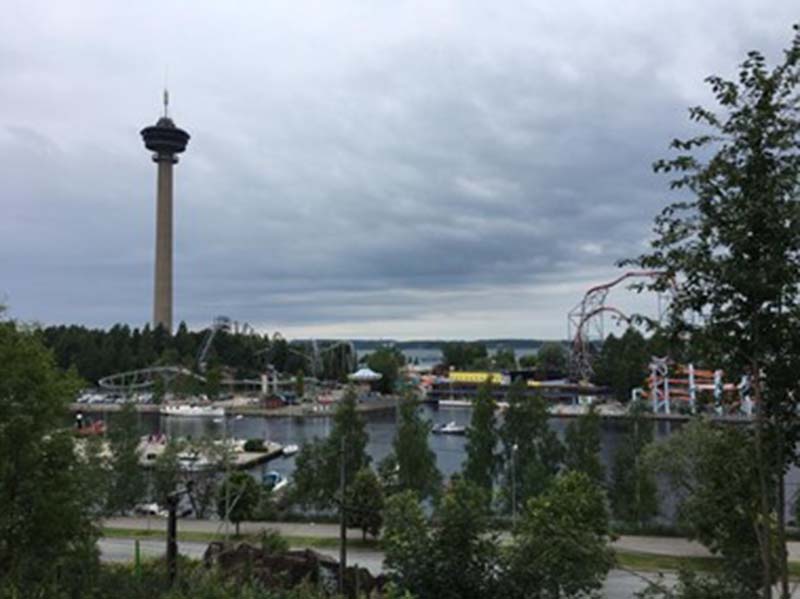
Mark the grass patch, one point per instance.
(208, 537)
(650, 562)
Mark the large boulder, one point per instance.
(288, 569)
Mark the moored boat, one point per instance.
(193, 461)
(273, 480)
(451, 428)
(291, 449)
(192, 411)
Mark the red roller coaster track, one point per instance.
(586, 313)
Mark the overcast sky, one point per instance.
(373, 169)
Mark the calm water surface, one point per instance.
(449, 449)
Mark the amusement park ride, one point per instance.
(336, 353)
(670, 387)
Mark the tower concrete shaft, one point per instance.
(165, 140)
(162, 297)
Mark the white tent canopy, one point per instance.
(365, 375)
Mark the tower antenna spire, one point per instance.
(166, 91)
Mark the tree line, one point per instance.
(95, 353)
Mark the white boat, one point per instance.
(455, 403)
(291, 449)
(275, 481)
(192, 411)
(192, 461)
(451, 428)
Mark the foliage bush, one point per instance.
(254, 445)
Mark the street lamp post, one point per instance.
(514, 449)
(172, 531)
(342, 516)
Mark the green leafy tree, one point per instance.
(462, 355)
(96, 475)
(560, 547)
(634, 492)
(309, 488)
(465, 551)
(204, 491)
(239, 495)
(127, 480)
(364, 503)
(300, 385)
(317, 467)
(623, 363)
(349, 431)
(412, 463)
(532, 451)
(551, 361)
(730, 245)
(387, 361)
(166, 473)
(213, 382)
(47, 536)
(582, 445)
(504, 359)
(455, 558)
(528, 362)
(711, 468)
(407, 543)
(481, 464)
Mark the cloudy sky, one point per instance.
(373, 169)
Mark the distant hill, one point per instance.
(519, 343)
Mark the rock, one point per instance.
(288, 569)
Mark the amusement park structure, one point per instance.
(338, 355)
(586, 322)
(221, 323)
(682, 389)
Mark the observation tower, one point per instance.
(166, 141)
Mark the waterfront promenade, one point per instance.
(379, 404)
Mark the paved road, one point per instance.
(654, 545)
(619, 585)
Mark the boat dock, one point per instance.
(152, 447)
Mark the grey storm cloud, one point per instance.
(411, 169)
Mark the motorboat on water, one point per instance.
(290, 449)
(274, 480)
(192, 411)
(451, 428)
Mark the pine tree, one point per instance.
(481, 465)
(127, 479)
(364, 504)
(413, 463)
(634, 494)
(583, 446)
(532, 451)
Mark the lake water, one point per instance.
(449, 449)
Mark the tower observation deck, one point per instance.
(166, 141)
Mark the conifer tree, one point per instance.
(481, 464)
